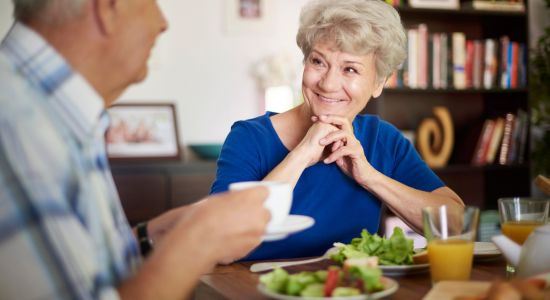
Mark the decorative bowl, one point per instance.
(207, 151)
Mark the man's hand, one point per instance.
(229, 225)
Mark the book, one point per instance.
(436, 60)
(412, 57)
(514, 64)
(422, 52)
(469, 64)
(444, 61)
(478, 64)
(503, 65)
(522, 142)
(522, 71)
(496, 138)
(496, 5)
(447, 4)
(459, 59)
(491, 64)
(482, 146)
(519, 138)
(506, 139)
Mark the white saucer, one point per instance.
(292, 224)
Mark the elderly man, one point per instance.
(63, 233)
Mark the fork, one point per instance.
(264, 266)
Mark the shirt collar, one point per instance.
(79, 106)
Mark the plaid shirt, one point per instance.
(63, 233)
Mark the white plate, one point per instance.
(390, 287)
(402, 270)
(399, 270)
(292, 224)
(486, 251)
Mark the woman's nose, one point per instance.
(330, 81)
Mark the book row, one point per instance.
(490, 5)
(450, 60)
(502, 140)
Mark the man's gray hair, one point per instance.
(48, 11)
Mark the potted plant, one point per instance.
(540, 102)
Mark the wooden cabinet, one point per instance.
(148, 189)
(405, 107)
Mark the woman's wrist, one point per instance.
(371, 178)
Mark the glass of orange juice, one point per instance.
(519, 216)
(451, 234)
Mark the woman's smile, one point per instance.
(329, 100)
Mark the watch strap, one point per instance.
(145, 243)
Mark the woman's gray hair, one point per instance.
(47, 11)
(359, 27)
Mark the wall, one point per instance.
(208, 71)
(205, 70)
(6, 9)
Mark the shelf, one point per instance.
(150, 188)
(464, 11)
(455, 91)
(406, 107)
(459, 168)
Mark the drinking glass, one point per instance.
(450, 234)
(519, 217)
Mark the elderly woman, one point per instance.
(344, 165)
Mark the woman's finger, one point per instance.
(339, 135)
(339, 121)
(340, 153)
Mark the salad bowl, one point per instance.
(390, 287)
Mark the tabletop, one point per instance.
(235, 281)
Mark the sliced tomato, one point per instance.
(360, 285)
(333, 276)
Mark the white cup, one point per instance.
(278, 201)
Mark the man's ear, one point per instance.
(105, 11)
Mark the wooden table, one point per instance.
(237, 282)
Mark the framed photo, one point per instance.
(248, 16)
(435, 4)
(143, 132)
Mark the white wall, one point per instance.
(205, 70)
(6, 19)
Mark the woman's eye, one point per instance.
(316, 61)
(350, 70)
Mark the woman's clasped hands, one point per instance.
(342, 147)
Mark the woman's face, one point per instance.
(338, 83)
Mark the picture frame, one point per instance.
(244, 17)
(435, 4)
(143, 131)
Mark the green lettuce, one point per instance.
(397, 250)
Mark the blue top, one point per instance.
(63, 233)
(341, 207)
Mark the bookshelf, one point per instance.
(406, 107)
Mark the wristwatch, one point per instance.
(145, 243)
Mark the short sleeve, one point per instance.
(409, 168)
(239, 158)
